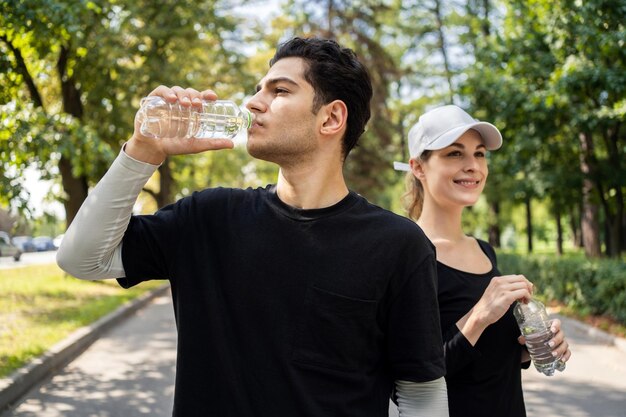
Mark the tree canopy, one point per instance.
(550, 74)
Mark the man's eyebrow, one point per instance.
(273, 81)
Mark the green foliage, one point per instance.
(230, 168)
(543, 71)
(589, 286)
(552, 71)
(39, 306)
(72, 74)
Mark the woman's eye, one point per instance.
(480, 154)
(280, 91)
(455, 153)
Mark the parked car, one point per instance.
(43, 243)
(57, 240)
(25, 243)
(7, 248)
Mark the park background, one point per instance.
(551, 74)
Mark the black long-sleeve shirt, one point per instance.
(483, 380)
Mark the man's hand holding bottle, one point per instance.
(147, 149)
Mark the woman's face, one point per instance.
(455, 175)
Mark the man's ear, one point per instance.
(417, 168)
(335, 117)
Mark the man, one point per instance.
(298, 299)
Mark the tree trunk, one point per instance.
(485, 26)
(574, 222)
(166, 182)
(494, 226)
(529, 224)
(444, 48)
(590, 226)
(76, 188)
(623, 247)
(615, 217)
(559, 232)
(329, 16)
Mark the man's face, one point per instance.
(285, 129)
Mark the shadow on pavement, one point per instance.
(574, 399)
(128, 373)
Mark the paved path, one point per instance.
(593, 385)
(27, 259)
(129, 372)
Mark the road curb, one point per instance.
(13, 387)
(594, 333)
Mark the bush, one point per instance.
(589, 286)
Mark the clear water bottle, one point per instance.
(532, 319)
(219, 119)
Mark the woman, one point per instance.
(484, 350)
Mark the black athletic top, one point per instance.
(483, 380)
(284, 312)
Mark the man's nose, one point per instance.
(256, 103)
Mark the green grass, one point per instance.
(41, 305)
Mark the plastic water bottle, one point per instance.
(219, 119)
(532, 319)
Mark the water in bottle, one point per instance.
(219, 119)
(534, 324)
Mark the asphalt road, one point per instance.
(28, 258)
(593, 385)
(129, 372)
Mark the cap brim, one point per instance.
(490, 134)
(401, 166)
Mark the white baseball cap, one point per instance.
(441, 127)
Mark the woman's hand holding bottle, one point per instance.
(496, 300)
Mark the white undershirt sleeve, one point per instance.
(92, 246)
(422, 399)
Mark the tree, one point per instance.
(550, 87)
(29, 33)
(587, 39)
(94, 62)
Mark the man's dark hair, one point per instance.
(335, 74)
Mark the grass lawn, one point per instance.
(40, 305)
